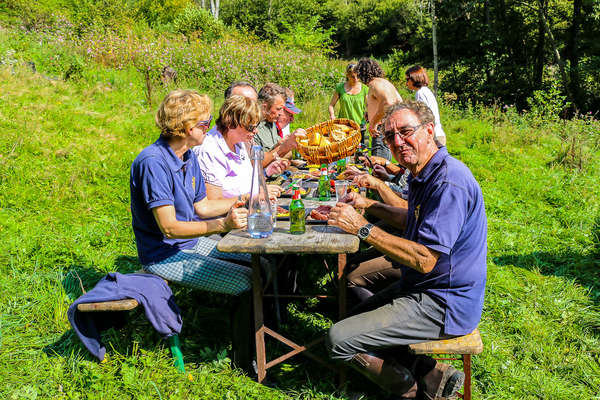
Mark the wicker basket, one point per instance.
(335, 150)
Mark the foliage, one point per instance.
(197, 19)
(307, 36)
(64, 216)
(547, 105)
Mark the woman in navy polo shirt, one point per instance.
(169, 205)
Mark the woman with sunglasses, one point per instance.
(223, 157)
(417, 80)
(170, 210)
(352, 95)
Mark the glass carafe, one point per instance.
(260, 217)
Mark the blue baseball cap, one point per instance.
(291, 107)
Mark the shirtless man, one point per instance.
(381, 95)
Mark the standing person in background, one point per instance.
(353, 101)
(417, 79)
(381, 94)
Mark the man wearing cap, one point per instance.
(287, 117)
(272, 98)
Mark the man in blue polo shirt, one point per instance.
(442, 256)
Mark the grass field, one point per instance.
(65, 153)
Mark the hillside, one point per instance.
(65, 154)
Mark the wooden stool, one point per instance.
(466, 346)
(130, 304)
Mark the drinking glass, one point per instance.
(341, 188)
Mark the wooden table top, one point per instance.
(318, 239)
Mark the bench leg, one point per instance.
(467, 370)
(176, 352)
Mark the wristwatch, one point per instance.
(364, 231)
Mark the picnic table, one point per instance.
(318, 239)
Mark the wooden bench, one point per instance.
(130, 304)
(465, 346)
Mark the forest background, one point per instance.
(80, 81)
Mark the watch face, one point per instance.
(363, 232)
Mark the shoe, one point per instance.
(449, 381)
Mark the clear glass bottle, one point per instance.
(260, 216)
(297, 214)
(324, 184)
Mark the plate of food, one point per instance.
(283, 212)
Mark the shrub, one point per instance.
(307, 35)
(547, 105)
(197, 19)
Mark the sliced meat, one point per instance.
(320, 213)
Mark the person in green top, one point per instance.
(352, 95)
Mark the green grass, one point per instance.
(65, 153)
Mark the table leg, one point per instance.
(259, 333)
(342, 283)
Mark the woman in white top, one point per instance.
(417, 79)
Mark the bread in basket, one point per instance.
(329, 141)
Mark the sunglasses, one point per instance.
(404, 132)
(251, 128)
(205, 123)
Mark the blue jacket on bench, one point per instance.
(148, 290)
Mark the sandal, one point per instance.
(451, 382)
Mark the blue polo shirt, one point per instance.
(446, 213)
(158, 177)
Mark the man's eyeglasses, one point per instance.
(205, 123)
(404, 132)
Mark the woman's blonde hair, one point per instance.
(180, 110)
(238, 111)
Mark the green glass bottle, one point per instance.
(324, 185)
(341, 165)
(297, 214)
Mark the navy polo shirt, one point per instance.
(158, 177)
(446, 213)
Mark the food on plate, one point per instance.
(282, 212)
(320, 213)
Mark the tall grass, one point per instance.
(65, 153)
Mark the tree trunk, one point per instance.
(538, 67)
(214, 8)
(573, 45)
(559, 60)
(434, 45)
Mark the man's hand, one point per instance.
(351, 172)
(345, 217)
(277, 166)
(381, 173)
(274, 191)
(368, 181)
(290, 143)
(357, 201)
(237, 217)
(375, 160)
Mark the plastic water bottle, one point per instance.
(260, 216)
